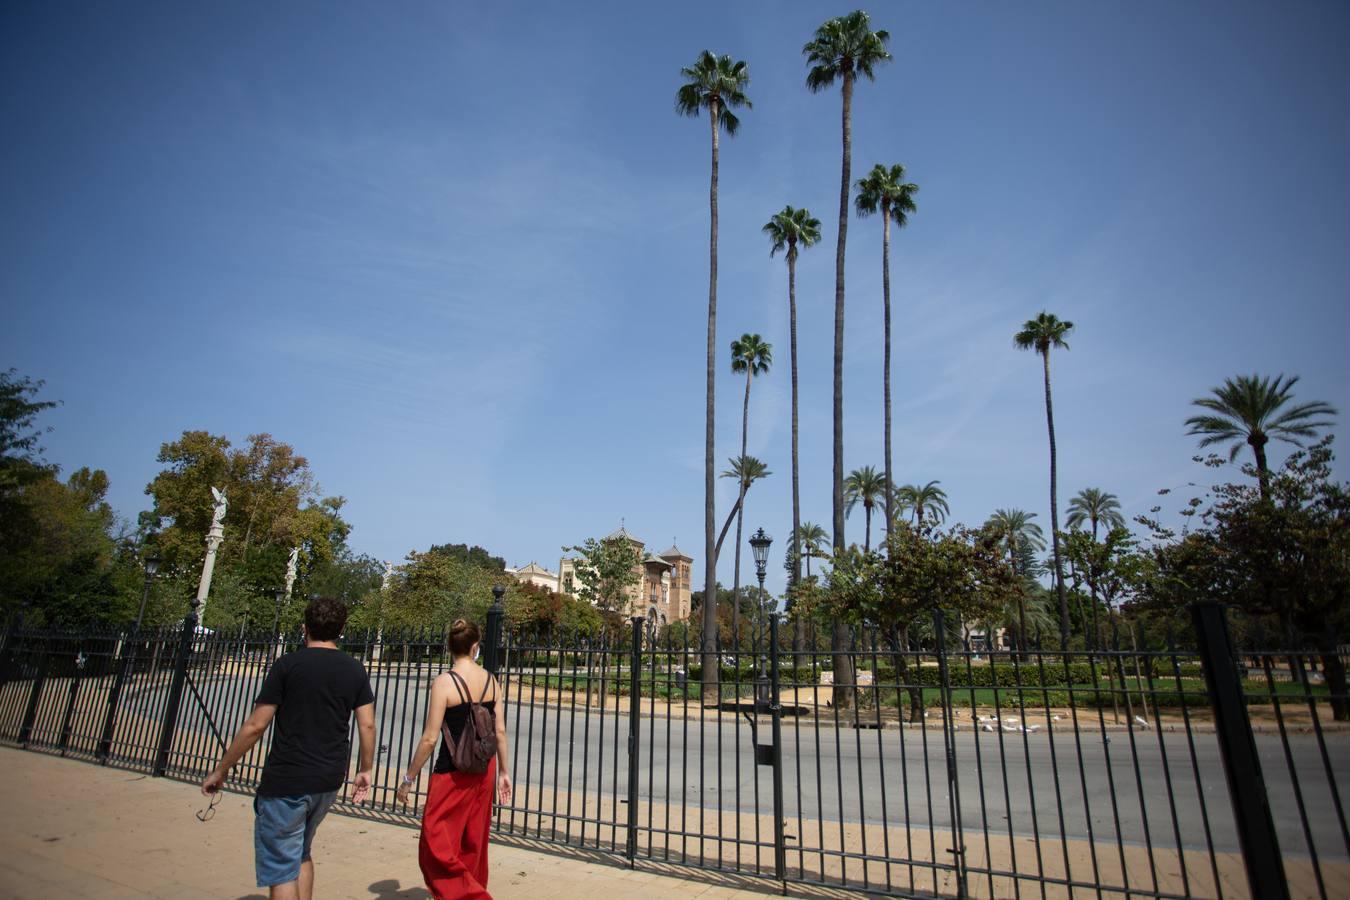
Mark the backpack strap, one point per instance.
(462, 686)
(487, 684)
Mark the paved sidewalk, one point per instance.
(74, 829)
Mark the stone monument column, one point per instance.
(214, 536)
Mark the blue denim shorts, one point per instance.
(283, 833)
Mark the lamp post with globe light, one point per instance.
(759, 545)
(126, 654)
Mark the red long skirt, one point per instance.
(453, 850)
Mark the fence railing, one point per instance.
(937, 770)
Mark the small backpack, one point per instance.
(477, 744)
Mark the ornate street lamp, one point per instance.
(759, 545)
(126, 655)
(151, 567)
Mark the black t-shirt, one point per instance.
(314, 690)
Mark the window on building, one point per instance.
(567, 584)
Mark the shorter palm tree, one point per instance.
(811, 537)
(927, 502)
(1096, 507)
(1250, 409)
(864, 486)
(1022, 537)
(747, 470)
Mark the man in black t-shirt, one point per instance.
(309, 696)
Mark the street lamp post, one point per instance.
(126, 654)
(151, 567)
(759, 545)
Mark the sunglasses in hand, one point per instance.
(204, 815)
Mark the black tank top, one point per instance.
(455, 717)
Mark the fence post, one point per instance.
(1246, 787)
(73, 694)
(776, 714)
(958, 850)
(34, 695)
(115, 694)
(171, 707)
(634, 731)
(492, 640)
(11, 625)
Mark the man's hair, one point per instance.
(463, 635)
(324, 618)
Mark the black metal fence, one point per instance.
(933, 771)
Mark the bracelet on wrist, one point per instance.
(409, 780)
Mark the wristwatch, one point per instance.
(409, 780)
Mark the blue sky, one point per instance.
(456, 254)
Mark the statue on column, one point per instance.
(291, 564)
(221, 506)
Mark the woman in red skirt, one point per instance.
(458, 813)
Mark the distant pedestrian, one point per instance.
(311, 694)
(458, 813)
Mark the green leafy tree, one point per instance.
(1253, 410)
(274, 506)
(474, 555)
(607, 570)
(432, 590)
(841, 49)
(792, 229)
(1281, 555)
(886, 191)
(864, 486)
(716, 85)
(540, 611)
(752, 355)
(1041, 334)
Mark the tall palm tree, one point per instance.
(886, 191)
(1096, 507)
(929, 499)
(1018, 533)
(1041, 334)
(866, 486)
(790, 229)
(716, 84)
(811, 538)
(753, 356)
(842, 48)
(1250, 409)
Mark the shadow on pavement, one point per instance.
(389, 890)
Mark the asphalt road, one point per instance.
(1103, 786)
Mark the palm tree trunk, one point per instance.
(1258, 443)
(867, 533)
(840, 636)
(1092, 578)
(1054, 513)
(740, 515)
(886, 358)
(797, 637)
(721, 535)
(710, 673)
